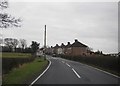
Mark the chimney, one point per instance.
(57, 45)
(62, 44)
(68, 43)
(76, 40)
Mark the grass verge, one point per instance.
(16, 55)
(25, 72)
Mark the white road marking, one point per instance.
(54, 58)
(63, 62)
(68, 65)
(76, 73)
(101, 70)
(41, 74)
(97, 69)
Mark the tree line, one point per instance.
(15, 45)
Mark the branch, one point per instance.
(9, 21)
(3, 4)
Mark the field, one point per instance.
(25, 72)
(16, 55)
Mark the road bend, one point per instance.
(62, 71)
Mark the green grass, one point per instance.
(16, 55)
(26, 71)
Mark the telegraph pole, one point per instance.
(45, 44)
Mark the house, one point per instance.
(67, 49)
(78, 49)
(49, 50)
(56, 49)
(39, 52)
(114, 54)
(62, 49)
(75, 49)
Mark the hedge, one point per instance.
(105, 62)
(10, 63)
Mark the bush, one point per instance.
(10, 63)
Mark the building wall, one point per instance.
(71, 51)
(55, 50)
(59, 51)
(77, 51)
(68, 51)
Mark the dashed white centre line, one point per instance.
(63, 62)
(68, 65)
(76, 73)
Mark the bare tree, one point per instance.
(3, 4)
(7, 20)
(15, 43)
(23, 44)
(11, 43)
(8, 43)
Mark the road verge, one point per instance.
(41, 73)
(25, 72)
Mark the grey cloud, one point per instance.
(93, 23)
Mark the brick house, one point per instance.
(63, 49)
(68, 49)
(75, 49)
(56, 49)
(78, 49)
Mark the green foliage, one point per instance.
(34, 47)
(25, 72)
(107, 63)
(16, 55)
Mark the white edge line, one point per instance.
(41, 74)
(67, 64)
(76, 73)
(102, 70)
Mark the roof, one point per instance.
(68, 45)
(57, 46)
(62, 45)
(78, 44)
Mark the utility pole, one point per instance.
(45, 44)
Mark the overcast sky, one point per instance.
(92, 23)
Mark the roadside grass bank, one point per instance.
(25, 73)
(105, 63)
(15, 55)
(12, 60)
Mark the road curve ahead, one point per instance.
(62, 71)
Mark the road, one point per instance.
(62, 71)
